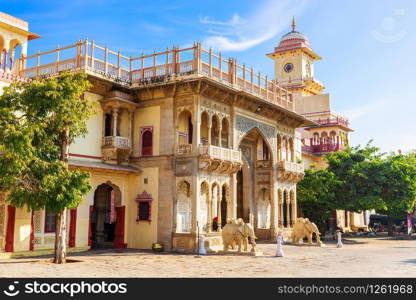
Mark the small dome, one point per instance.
(294, 35)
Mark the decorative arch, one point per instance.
(244, 125)
(214, 209)
(146, 141)
(215, 130)
(204, 128)
(183, 207)
(271, 150)
(204, 206)
(15, 51)
(225, 132)
(184, 127)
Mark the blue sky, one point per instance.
(368, 46)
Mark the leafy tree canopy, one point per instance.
(36, 119)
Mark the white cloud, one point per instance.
(238, 34)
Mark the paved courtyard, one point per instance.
(360, 257)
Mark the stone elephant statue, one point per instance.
(305, 228)
(236, 232)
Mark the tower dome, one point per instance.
(293, 40)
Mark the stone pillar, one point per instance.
(294, 206)
(219, 213)
(220, 135)
(232, 207)
(288, 222)
(195, 194)
(281, 213)
(209, 132)
(131, 118)
(115, 120)
(209, 218)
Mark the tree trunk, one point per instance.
(390, 225)
(60, 229)
(60, 238)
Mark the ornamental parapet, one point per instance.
(115, 148)
(290, 171)
(219, 160)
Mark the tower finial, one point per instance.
(293, 24)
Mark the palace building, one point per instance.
(183, 140)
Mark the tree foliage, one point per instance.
(39, 119)
(357, 179)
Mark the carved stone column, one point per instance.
(219, 214)
(281, 214)
(220, 135)
(209, 221)
(288, 221)
(209, 133)
(115, 120)
(131, 119)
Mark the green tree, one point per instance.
(316, 196)
(358, 174)
(398, 192)
(39, 120)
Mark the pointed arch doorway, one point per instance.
(107, 218)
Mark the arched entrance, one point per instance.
(257, 158)
(107, 219)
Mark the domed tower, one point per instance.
(293, 64)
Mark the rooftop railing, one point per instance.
(154, 68)
(328, 118)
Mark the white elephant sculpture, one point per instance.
(305, 228)
(236, 232)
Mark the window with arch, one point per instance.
(146, 134)
(144, 207)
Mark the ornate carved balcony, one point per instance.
(116, 148)
(184, 149)
(290, 171)
(219, 160)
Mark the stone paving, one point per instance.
(360, 257)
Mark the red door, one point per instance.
(72, 228)
(89, 227)
(11, 213)
(119, 230)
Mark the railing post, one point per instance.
(106, 60)
(220, 64)
(131, 69)
(142, 66)
(37, 64)
(92, 54)
(210, 62)
(244, 76)
(251, 79)
(118, 64)
(167, 61)
(86, 53)
(259, 82)
(57, 59)
(266, 87)
(78, 62)
(154, 63)
(178, 60)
